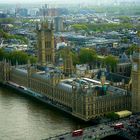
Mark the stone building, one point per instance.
(84, 98)
(68, 63)
(58, 22)
(124, 65)
(136, 81)
(5, 68)
(45, 45)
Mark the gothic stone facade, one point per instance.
(85, 104)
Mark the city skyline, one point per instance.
(68, 1)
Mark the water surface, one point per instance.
(22, 118)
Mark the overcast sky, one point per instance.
(60, 1)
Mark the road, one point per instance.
(102, 130)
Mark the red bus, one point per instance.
(118, 126)
(76, 133)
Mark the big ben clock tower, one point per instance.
(136, 82)
(45, 44)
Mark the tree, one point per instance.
(33, 59)
(5, 35)
(87, 55)
(125, 40)
(138, 33)
(17, 56)
(63, 54)
(2, 54)
(131, 49)
(112, 116)
(111, 61)
(125, 19)
(78, 27)
(100, 27)
(7, 20)
(75, 58)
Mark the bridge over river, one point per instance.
(99, 132)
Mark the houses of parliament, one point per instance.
(83, 97)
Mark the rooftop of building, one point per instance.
(83, 84)
(123, 58)
(93, 39)
(113, 77)
(90, 86)
(40, 72)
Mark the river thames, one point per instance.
(22, 118)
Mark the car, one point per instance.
(90, 137)
(101, 128)
(62, 138)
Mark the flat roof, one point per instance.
(124, 113)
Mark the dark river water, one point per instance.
(22, 118)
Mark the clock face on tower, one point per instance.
(135, 67)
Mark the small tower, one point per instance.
(45, 44)
(136, 81)
(103, 79)
(6, 70)
(30, 70)
(68, 64)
